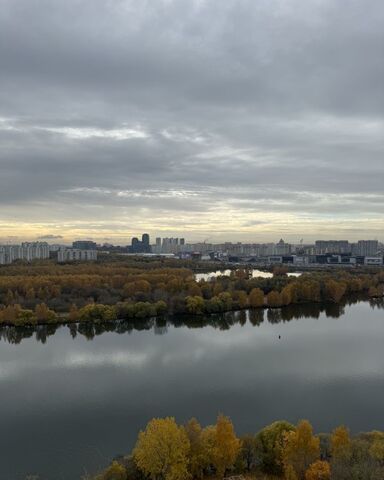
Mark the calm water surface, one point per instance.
(70, 404)
(255, 273)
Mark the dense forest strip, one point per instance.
(48, 293)
(168, 451)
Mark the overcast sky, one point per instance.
(243, 120)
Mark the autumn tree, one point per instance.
(286, 295)
(334, 290)
(226, 300)
(301, 449)
(269, 443)
(162, 450)
(256, 298)
(248, 454)
(194, 304)
(376, 449)
(274, 299)
(241, 298)
(115, 471)
(199, 452)
(9, 298)
(44, 314)
(340, 443)
(227, 445)
(290, 473)
(319, 470)
(73, 315)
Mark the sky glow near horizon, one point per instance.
(241, 120)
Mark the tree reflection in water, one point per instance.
(223, 321)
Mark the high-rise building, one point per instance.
(145, 239)
(282, 248)
(84, 245)
(367, 248)
(142, 246)
(332, 246)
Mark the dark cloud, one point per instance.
(50, 237)
(177, 115)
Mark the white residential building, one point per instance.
(76, 254)
(26, 251)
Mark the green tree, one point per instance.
(195, 304)
(248, 452)
(270, 443)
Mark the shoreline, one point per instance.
(62, 320)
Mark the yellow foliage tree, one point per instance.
(335, 290)
(256, 298)
(199, 452)
(44, 314)
(274, 299)
(301, 449)
(227, 445)
(318, 471)
(377, 448)
(115, 471)
(73, 315)
(290, 473)
(340, 442)
(162, 450)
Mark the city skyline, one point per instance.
(244, 121)
(294, 239)
(156, 240)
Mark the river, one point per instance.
(254, 273)
(71, 400)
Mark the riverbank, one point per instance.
(281, 450)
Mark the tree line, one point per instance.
(160, 324)
(168, 451)
(106, 292)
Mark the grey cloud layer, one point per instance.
(177, 108)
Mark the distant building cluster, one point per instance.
(321, 252)
(362, 247)
(27, 251)
(330, 252)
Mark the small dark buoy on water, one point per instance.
(279, 336)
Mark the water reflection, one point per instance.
(75, 396)
(253, 272)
